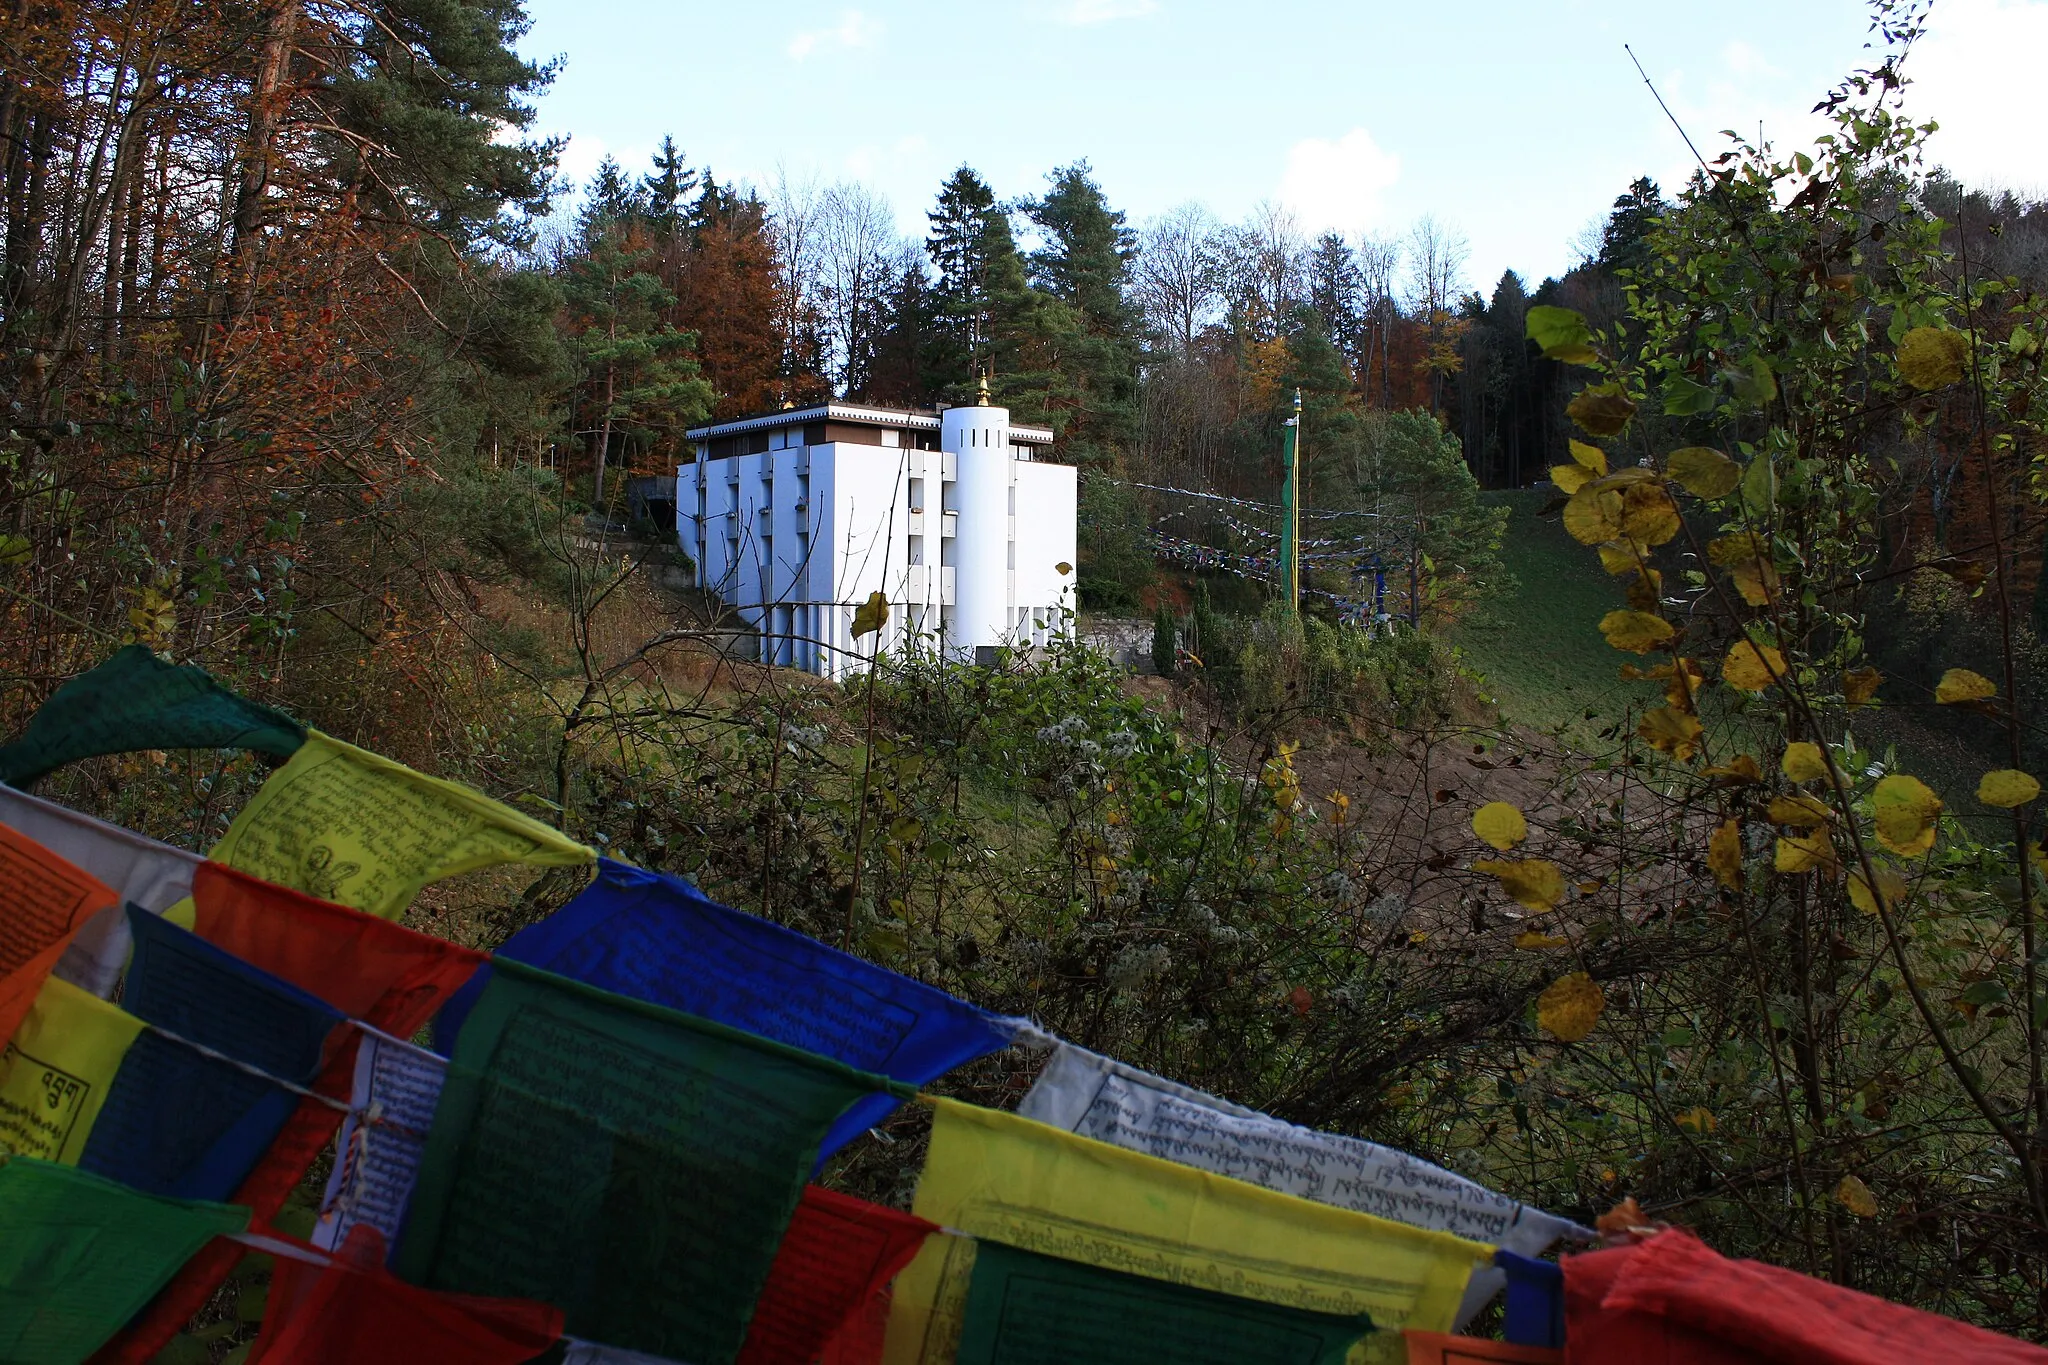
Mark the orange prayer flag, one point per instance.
(1438, 1348)
(44, 902)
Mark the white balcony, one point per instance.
(946, 585)
(949, 524)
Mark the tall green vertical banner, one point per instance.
(1290, 509)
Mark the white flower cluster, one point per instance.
(1139, 965)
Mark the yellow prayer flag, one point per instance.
(57, 1070)
(347, 825)
(1025, 1184)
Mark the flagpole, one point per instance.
(1290, 509)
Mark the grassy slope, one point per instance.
(1539, 646)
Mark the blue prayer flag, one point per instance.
(659, 939)
(180, 1123)
(1535, 1306)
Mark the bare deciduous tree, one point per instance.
(1176, 274)
(857, 248)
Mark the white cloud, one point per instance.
(1085, 12)
(854, 29)
(1977, 74)
(1337, 185)
(1744, 60)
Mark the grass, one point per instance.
(1538, 647)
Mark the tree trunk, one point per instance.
(266, 109)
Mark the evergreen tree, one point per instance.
(608, 200)
(664, 192)
(1085, 268)
(725, 296)
(980, 286)
(913, 350)
(641, 385)
(1621, 240)
(1336, 290)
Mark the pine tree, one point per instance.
(641, 384)
(1085, 268)
(1621, 240)
(608, 200)
(1336, 290)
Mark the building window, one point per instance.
(917, 549)
(917, 495)
(891, 439)
(1013, 554)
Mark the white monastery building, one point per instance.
(796, 517)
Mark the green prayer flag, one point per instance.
(80, 1255)
(632, 1165)
(136, 701)
(1028, 1309)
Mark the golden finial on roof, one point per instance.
(981, 399)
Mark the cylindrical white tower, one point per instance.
(980, 437)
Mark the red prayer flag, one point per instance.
(354, 1310)
(44, 902)
(838, 1254)
(384, 974)
(1672, 1301)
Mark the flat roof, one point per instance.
(858, 413)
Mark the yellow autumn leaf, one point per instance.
(1855, 1196)
(1739, 548)
(1859, 685)
(1739, 769)
(1752, 667)
(1800, 811)
(1594, 514)
(1648, 514)
(1570, 1006)
(1571, 477)
(1638, 632)
(1804, 762)
(1724, 854)
(1756, 581)
(1698, 1119)
(1535, 883)
(1932, 357)
(1669, 730)
(1589, 456)
(1537, 939)
(1500, 824)
(1890, 885)
(1619, 557)
(1703, 471)
(871, 615)
(1904, 810)
(1805, 853)
(2006, 788)
(1961, 685)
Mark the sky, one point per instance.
(1513, 122)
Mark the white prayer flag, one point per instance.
(1101, 1098)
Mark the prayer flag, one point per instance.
(1028, 1185)
(838, 1254)
(138, 870)
(370, 969)
(176, 1120)
(1438, 1348)
(1104, 1099)
(44, 902)
(377, 1163)
(136, 701)
(1027, 1309)
(347, 825)
(353, 1311)
(81, 1254)
(634, 1165)
(659, 939)
(364, 967)
(1672, 1300)
(1535, 1306)
(57, 1070)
